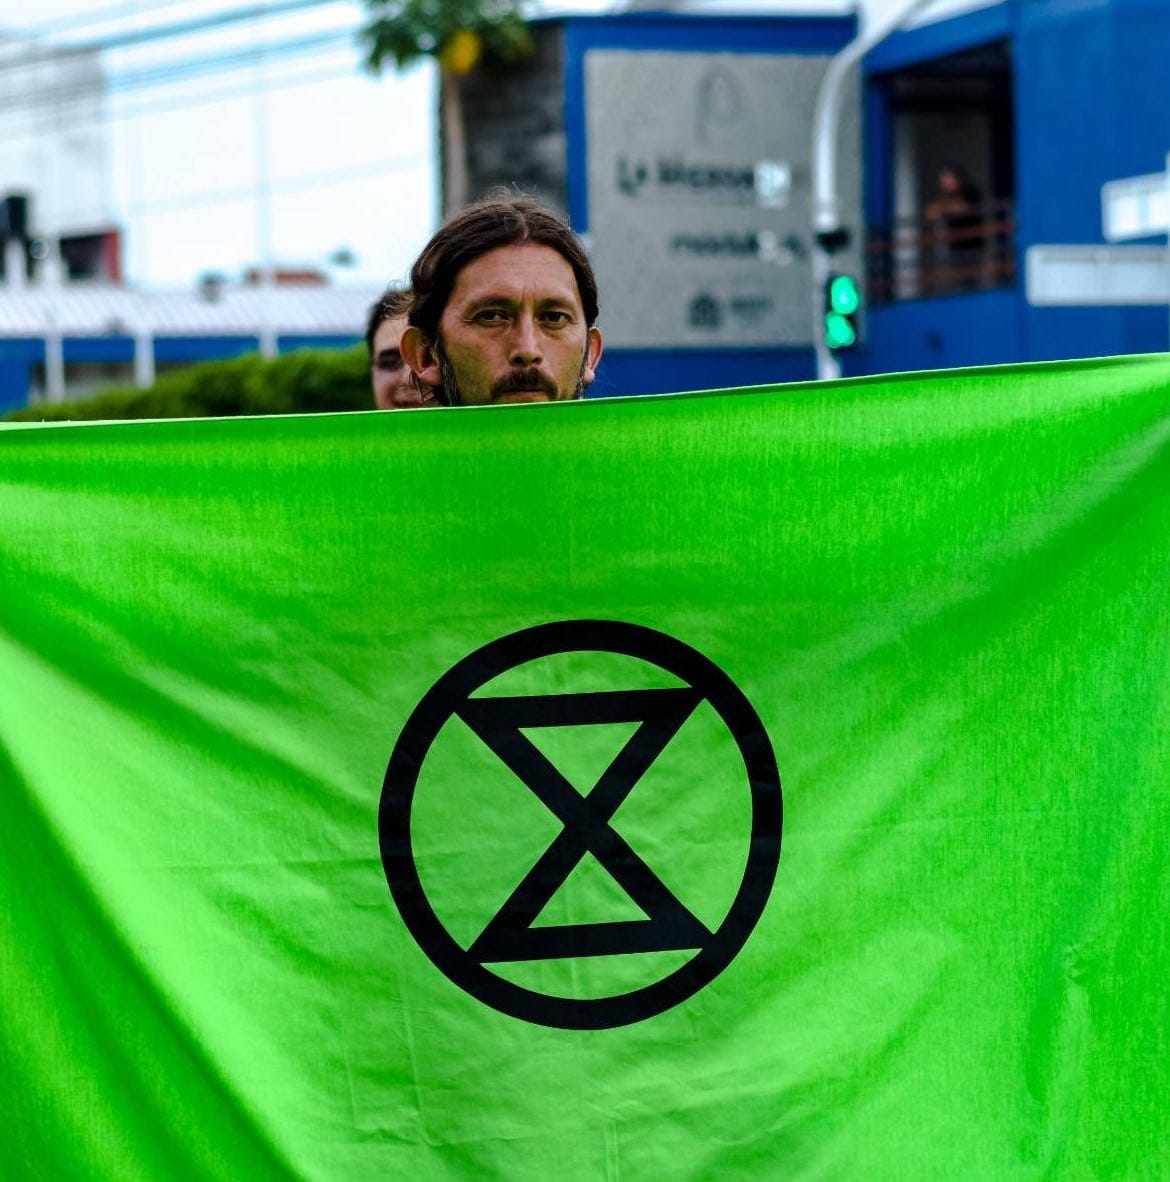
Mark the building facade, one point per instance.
(1031, 105)
(1043, 102)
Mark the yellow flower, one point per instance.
(460, 52)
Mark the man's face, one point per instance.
(389, 374)
(513, 330)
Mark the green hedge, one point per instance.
(297, 383)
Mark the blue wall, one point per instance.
(1092, 104)
(977, 328)
(13, 384)
(664, 371)
(17, 357)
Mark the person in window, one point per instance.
(956, 230)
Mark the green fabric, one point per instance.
(944, 595)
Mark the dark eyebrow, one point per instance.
(501, 300)
(490, 301)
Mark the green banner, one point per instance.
(747, 785)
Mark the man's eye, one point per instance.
(555, 317)
(491, 316)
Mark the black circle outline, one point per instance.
(431, 715)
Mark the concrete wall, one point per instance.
(631, 370)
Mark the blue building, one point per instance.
(1036, 103)
(1071, 95)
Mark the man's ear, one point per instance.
(592, 355)
(420, 356)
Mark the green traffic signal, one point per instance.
(839, 332)
(842, 304)
(844, 295)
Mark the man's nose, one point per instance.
(525, 344)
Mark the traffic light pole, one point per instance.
(828, 366)
(828, 233)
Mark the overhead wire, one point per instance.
(39, 105)
(38, 110)
(143, 36)
(128, 9)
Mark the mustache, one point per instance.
(529, 378)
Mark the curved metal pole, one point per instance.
(826, 204)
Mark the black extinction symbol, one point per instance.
(500, 722)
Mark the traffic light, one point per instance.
(842, 307)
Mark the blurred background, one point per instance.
(192, 180)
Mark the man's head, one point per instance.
(389, 374)
(504, 308)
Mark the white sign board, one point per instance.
(699, 218)
(1081, 275)
(1136, 207)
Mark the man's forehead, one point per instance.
(518, 270)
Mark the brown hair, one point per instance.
(484, 226)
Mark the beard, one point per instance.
(529, 378)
